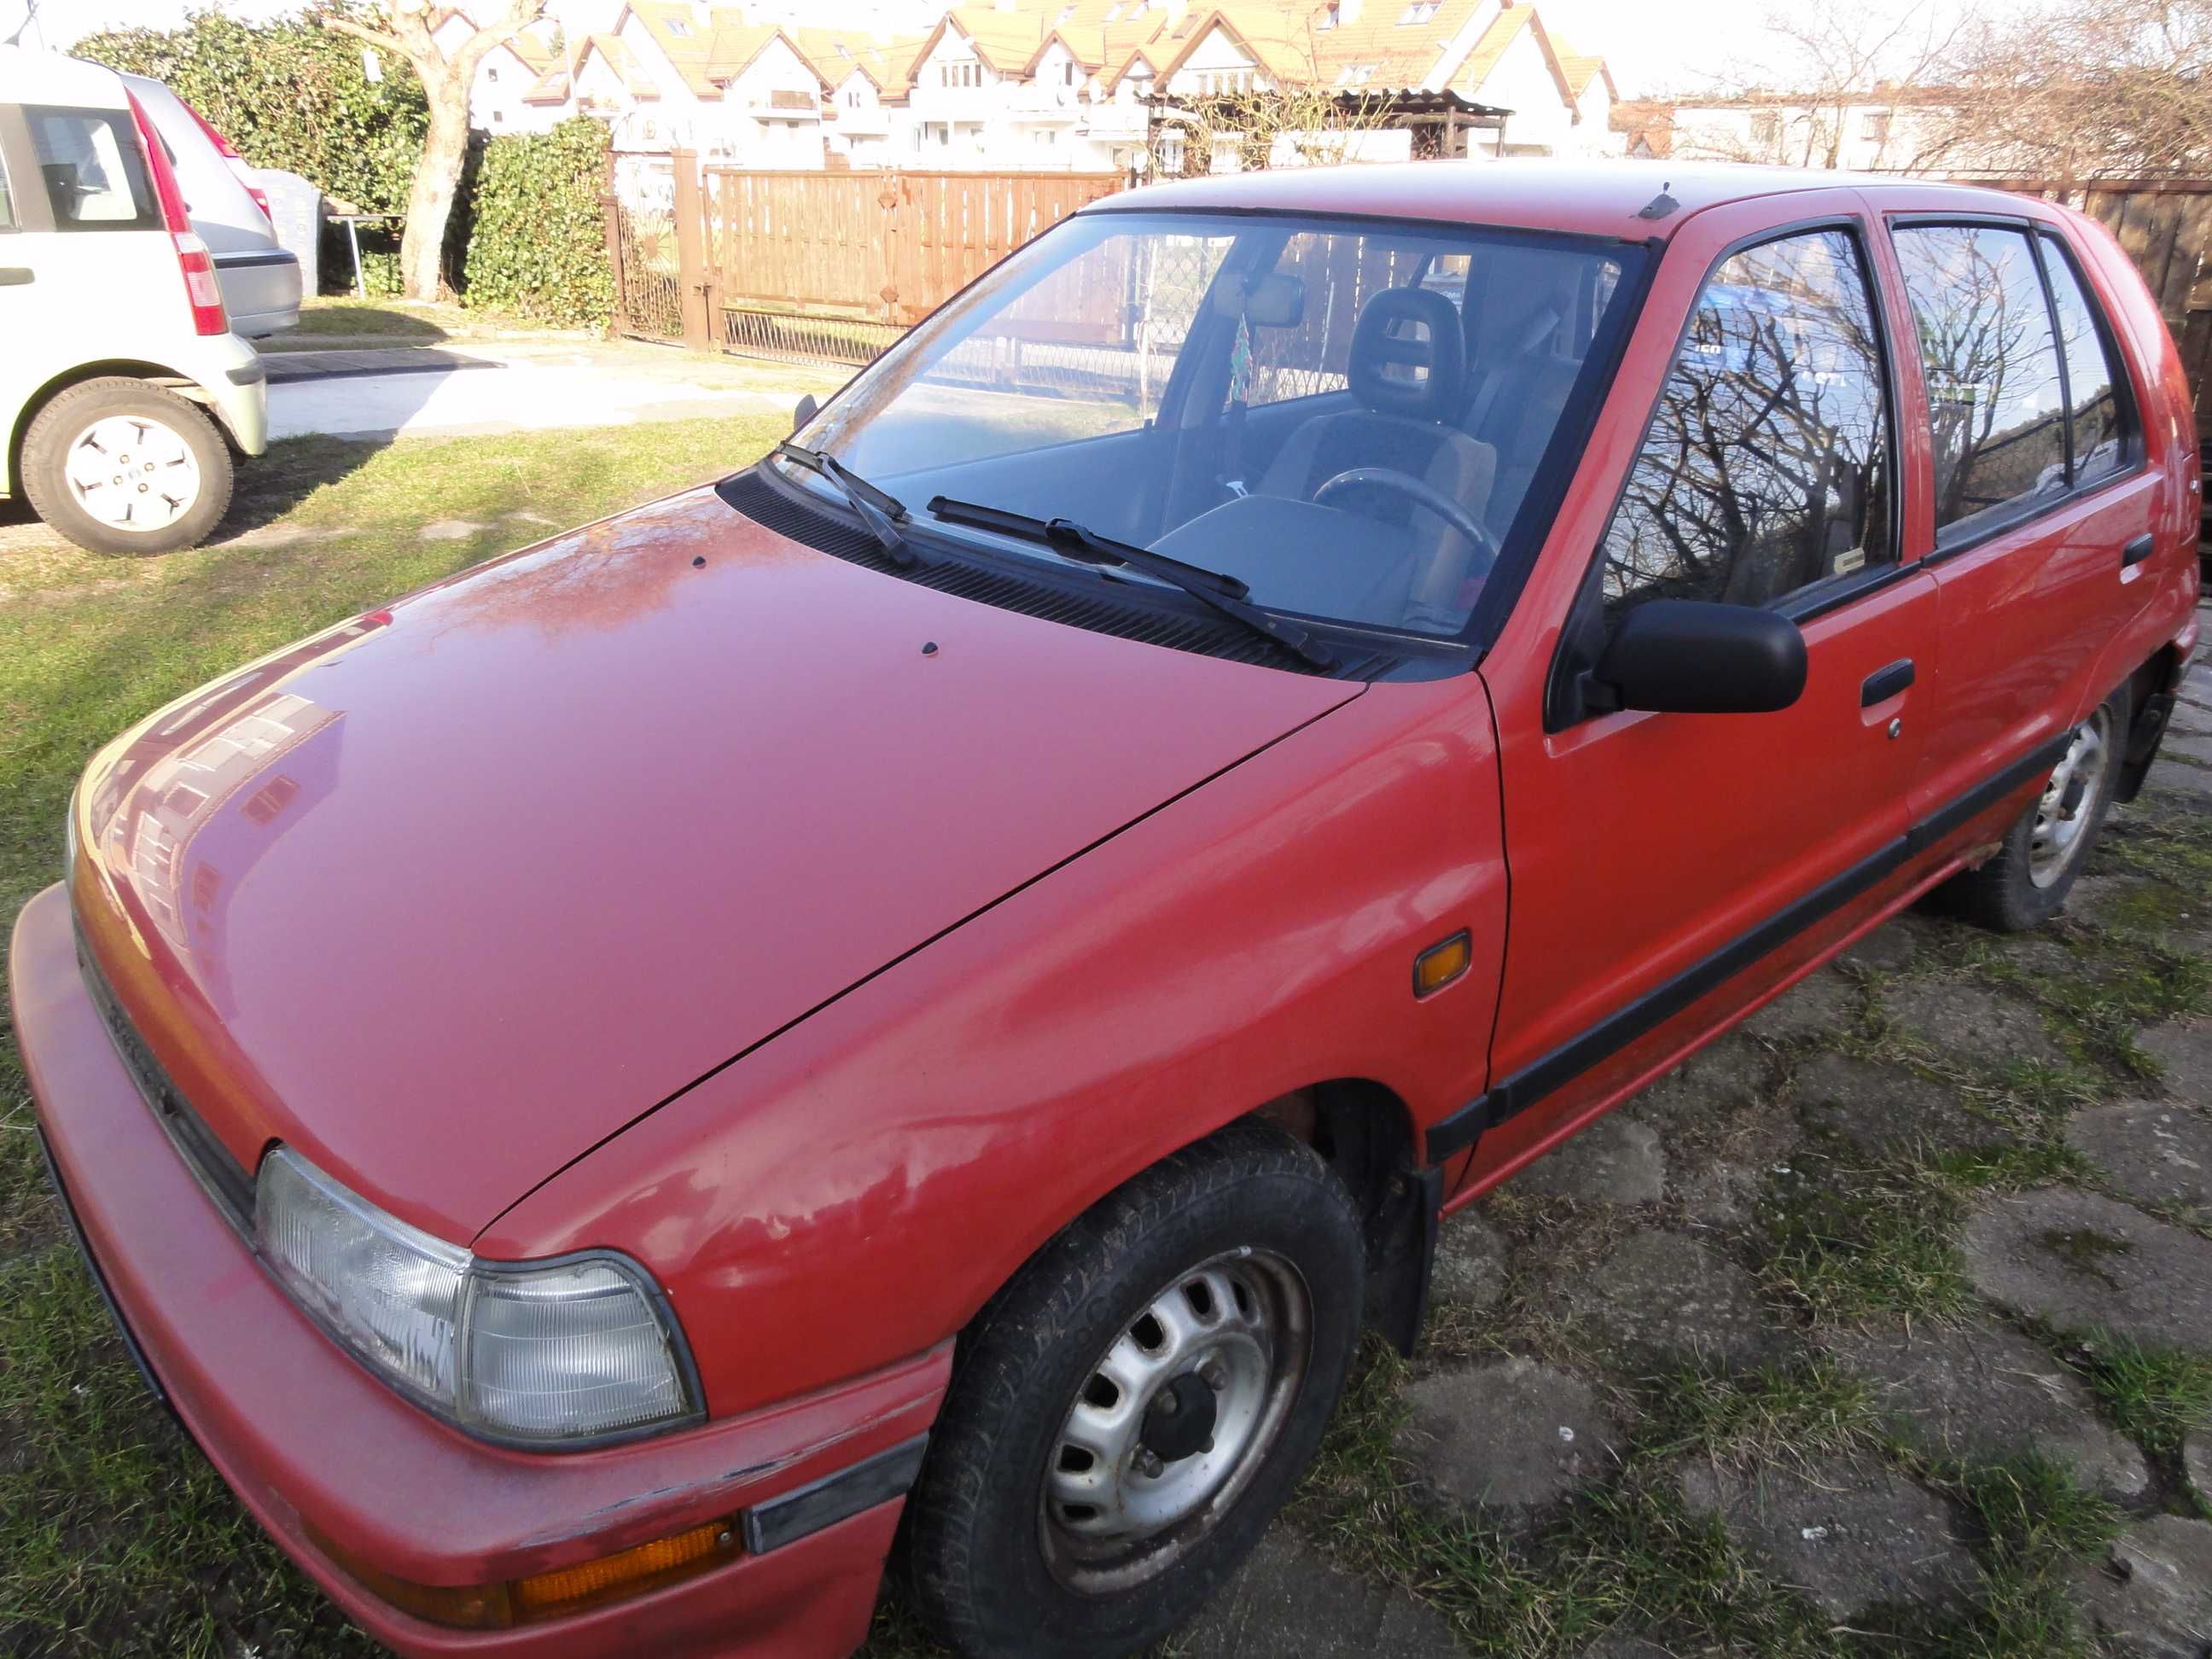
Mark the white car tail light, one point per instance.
(192, 258)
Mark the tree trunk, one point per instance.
(437, 181)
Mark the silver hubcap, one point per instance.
(2069, 800)
(1174, 1420)
(132, 473)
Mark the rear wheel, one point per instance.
(1131, 1411)
(119, 466)
(2042, 855)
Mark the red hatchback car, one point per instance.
(930, 987)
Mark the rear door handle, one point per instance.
(1885, 682)
(15, 276)
(2136, 551)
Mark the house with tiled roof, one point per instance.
(868, 78)
(499, 100)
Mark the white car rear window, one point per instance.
(90, 162)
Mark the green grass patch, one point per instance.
(1775, 1414)
(2155, 1395)
(1848, 1243)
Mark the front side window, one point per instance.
(90, 161)
(1994, 398)
(1766, 468)
(1346, 415)
(2099, 413)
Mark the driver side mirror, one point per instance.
(1695, 657)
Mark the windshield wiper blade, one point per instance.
(879, 510)
(1070, 540)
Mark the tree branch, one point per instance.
(362, 32)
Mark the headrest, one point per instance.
(1408, 355)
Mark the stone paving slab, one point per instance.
(2083, 1261)
(1879, 1106)
(2153, 1596)
(1288, 1601)
(1663, 1295)
(1470, 1263)
(1818, 1003)
(2183, 1051)
(1958, 1018)
(1983, 1392)
(2157, 1152)
(1851, 1537)
(1616, 1160)
(1511, 1436)
(2196, 1464)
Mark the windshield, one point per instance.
(1345, 415)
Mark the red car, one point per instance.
(930, 987)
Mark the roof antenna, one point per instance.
(1660, 205)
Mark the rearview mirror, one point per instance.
(1275, 301)
(805, 412)
(1693, 657)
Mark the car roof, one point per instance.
(1536, 193)
(47, 77)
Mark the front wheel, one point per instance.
(2027, 881)
(118, 465)
(1133, 1409)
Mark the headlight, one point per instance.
(548, 1353)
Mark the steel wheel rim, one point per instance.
(132, 473)
(1233, 1334)
(2064, 812)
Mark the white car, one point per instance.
(124, 391)
(229, 211)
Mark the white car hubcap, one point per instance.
(132, 473)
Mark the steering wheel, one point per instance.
(1424, 495)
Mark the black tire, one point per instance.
(2023, 887)
(55, 429)
(988, 1555)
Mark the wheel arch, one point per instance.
(135, 369)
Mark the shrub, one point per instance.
(537, 241)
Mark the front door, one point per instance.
(1653, 858)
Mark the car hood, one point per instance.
(449, 894)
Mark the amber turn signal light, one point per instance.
(548, 1595)
(1442, 962)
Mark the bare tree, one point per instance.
(1293, 122)
(2101, 89)
(405, 27)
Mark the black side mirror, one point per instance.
(1693, 657)
(805, 412)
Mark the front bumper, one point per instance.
(309, 1439)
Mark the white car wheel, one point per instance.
(132, 473)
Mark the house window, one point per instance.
(1066, 12)
(960, 75)
(1874, 126)
(679, 29)
(491, 74)
(1419, 12)
(852, 99)
(1329, 19)
(1114, 12)
(1068, 74)
(1355, 74)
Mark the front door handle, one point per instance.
(1885, 683)
(15, 276)
(2137, 552)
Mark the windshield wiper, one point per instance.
(880, 511)
(1070, 540)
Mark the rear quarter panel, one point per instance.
(852, 1191)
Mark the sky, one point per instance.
(1651, 46)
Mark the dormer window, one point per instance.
(1329, 18)
(679, 29)
(1355, 74)
(1419, 12)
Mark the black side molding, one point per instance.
(1516, 1094)
(1885, 683)
(873, 1480)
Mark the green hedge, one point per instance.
(537, 241)
(288, 94)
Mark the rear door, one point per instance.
(1660, 861)
(2037, 486)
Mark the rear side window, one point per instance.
(94, 176)
(1995, 396)
(1766, 468)
(2100, 414)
